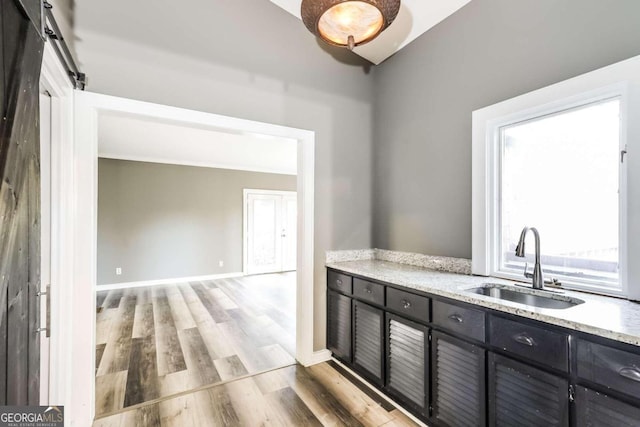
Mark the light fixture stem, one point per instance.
(351, 43)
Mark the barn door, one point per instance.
(20, 63)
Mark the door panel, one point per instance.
(339, 325)
(21, 61)
(407, 362)
(271, 234)
(264, 225)
(520, 395)
(367, 354)
(458, 382)
(599, 410)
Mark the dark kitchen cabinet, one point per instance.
(522, 395)
(339, 325)
(408, 362)
(339, 282)
(459, 320)
(534, 343)
(368, 326)
(611, 368)
(599, 410)
(458, 382)
(452, 363)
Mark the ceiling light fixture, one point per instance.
(348, 23)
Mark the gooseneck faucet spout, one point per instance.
(537, 279)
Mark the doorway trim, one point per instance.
(245, 220)
(55, 80)
(87, 108)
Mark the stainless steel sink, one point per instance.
(536, 298)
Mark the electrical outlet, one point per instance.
(118, 271)
(221, 263)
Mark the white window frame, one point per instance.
(621, 80)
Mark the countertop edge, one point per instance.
(458, 294)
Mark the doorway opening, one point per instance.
(89, 109)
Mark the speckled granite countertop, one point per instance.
(613, 318)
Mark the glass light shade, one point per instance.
(348, 23)
(359, 19)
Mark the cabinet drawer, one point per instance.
(610, 367)
(410, 305)
(368, 291)
(339, 282)
(461, 320)
(533, 342)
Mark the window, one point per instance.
(560, 173)
(566, 160)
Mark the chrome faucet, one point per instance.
(538, 281)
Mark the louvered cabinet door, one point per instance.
(520, 395)
(595, 409)
(407, 363)
(458, 385)
(368, 342)
(339, 325)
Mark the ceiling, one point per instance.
(415, 18)
(141, 139)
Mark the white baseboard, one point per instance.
(145, 283)
(382, 395)
(317, 357)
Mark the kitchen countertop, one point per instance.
(608, 317)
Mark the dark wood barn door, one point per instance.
(20, 61)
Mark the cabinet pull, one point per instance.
(632, 374)
(406, 304)
(368, 290)
(524, 339)
(339, 282)
(456, 318)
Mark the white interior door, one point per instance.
(45, 242)
(270, 231)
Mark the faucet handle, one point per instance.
(526, 274)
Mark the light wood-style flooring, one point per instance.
(160, 341)
(320, 395)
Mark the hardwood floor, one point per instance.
(156, 342)
(291, 396)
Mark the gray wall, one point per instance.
(253, 60)
(158, 221)
(250, 59)
(489, 51)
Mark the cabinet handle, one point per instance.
(524, 339)
(456, 318)
(368, 290)
(339, 282)
(406, 304)
(632, 374)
